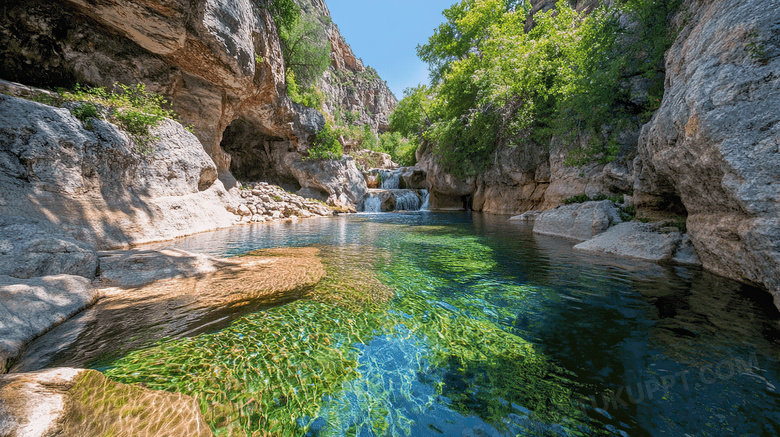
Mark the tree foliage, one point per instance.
(286, 13)
(306, 50)
(569, 77)
(326, 145)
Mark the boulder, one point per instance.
(370, 159)
(642, 241)
(413, 178)
(27, 249)
(527, 216)
(580, 221)
(339, 178)
(711, 149)
(96, 186)
(78, 402)
(30, 307)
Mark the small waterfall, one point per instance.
(426, 197)
(408, 201)
(372, 204)
(380, 200)
(391, 179)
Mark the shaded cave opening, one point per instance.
(257, 156)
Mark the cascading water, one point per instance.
(408, 201)
(426, 197)
(391, 179)
(372, 204)
(395, 200)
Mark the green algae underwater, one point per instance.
(320, 366)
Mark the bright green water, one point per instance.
(492, 331)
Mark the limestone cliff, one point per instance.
(350, 86)
(714, 145)
(202, 54)
(710, 153)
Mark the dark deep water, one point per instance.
(493, 331)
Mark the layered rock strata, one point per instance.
(715, 142)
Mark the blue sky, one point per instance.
(385, 34)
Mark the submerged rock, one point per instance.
(155, 294)
(580, 221)
(84, 403)
(642, 241)
(527, 216)
(30, 307)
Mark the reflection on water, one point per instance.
(492, 331)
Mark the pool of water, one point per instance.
(475, 326)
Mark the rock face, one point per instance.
(349, 86)
(95, 186)
(218, 61)
(30, 307)
(81, 402)
(528, 177)
(579, 221)
(340, 180)
(714, 145)
(642, 241)
(28, 249)
(154, 294)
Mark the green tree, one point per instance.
(286, 13)
(569, 77)
(306, 49)
(410, 117)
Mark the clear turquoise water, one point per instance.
(641, 349)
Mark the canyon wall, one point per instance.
(710, 154)
(715, 142)
(348, 84)
(219, 62)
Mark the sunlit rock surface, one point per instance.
(30, 307)
(96, 186)
(715, 142)
(581, 221)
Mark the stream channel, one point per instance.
(457, 324)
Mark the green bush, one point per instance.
(132, 108)
(306, 49)
(628, 213)
(85, 111)
(310, 97)
(326, 145)
(582, 198)
(494, 84)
